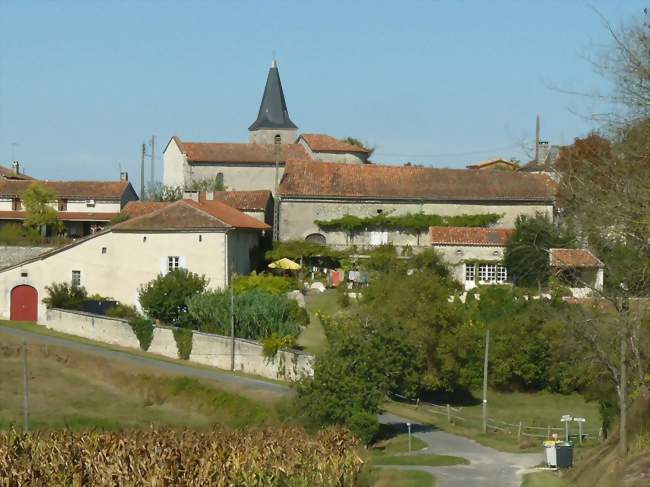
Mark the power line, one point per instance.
(450, 154)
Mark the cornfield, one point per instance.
(285, 456)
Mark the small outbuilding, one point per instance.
(579, 269)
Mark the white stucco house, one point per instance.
(213, 240)
(83, 206)
(475, 255)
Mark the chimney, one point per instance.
(124, 176)
(16, 167)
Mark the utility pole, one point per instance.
(537, 137)
(142, 195)
(622, 442)
(25, 390)
(276, 197)
(232, 324)
(485, 378)
(153, 160)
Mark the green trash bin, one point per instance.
(564, 454)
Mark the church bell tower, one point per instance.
(273, 120)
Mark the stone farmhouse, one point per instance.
(83, 206)
(474, 254)
(319, 191)
(210, 239)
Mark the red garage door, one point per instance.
(24, 303)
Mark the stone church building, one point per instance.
(252, 166)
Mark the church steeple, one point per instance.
(273, 117)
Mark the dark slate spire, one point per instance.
(273, 112)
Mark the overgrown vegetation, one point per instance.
(65, 296)
(164, 298)
(267, 283)
(257, 314)
(298, 250)
(15, 234)
(527, 252)
(417, 222)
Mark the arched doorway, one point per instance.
(24, 303)
(317, 238)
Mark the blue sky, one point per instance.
(83, 84)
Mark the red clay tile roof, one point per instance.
(210, 152)
(10, 174)
(189, 215)
(70, 189)
(492, 162)
(491, 237)
(134, 209)
(90, 216)
(573, 258)
(327, 143)
(313, 179)
(242, 200)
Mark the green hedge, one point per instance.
(183, 340)
(411, 221)
(143, 329)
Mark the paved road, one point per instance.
(249, 383)
(488, 467)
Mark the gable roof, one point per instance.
(320, 179)
(492, 162)
(327, 143)
(90, 216)
(491, 237)
(273, 113)
(70, 189)
(190, 215)
(257, 200)
(10, 174)
(573, 258)
(217, 152)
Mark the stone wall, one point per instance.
(208, 349)
(10, 255)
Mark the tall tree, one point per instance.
(38, 201)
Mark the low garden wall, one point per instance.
(208, 349)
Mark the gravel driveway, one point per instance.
(488, 467)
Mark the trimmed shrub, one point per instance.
(65, 296)
(183, 340)
(143, 329)
(164, 297)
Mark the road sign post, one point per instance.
(408, 425)
(579, 421)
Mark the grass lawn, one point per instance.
(389, 477)
(421, 460)
(42, 330)
(543, 479)
(396, 445)
(535, 409)
(77, 390)
(313, 338)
